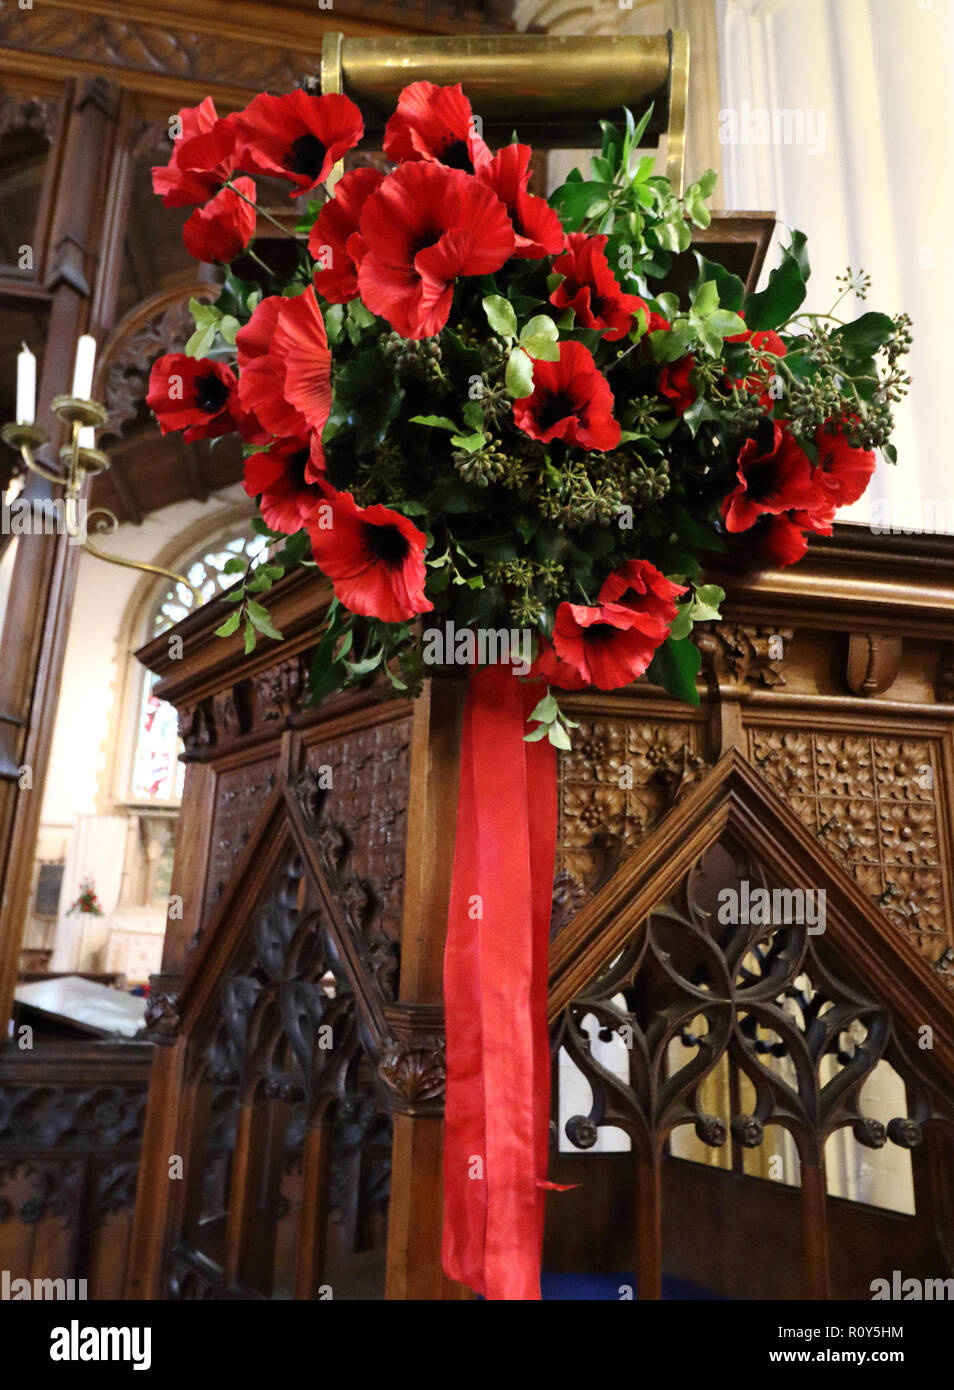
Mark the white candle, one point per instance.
(26, 387)
(83, 371)
(87, 437)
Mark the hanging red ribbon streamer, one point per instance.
(497, 1113)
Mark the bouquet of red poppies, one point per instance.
(87, 903)
(479, 411)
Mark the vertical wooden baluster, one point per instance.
(243, 1193)
(817, 1272)
(313, 1224)
(649, 1226)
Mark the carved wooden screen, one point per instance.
(785, 1008)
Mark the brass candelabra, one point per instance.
(80, 461)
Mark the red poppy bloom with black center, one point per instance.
(285, 365)
(773, 540)
(571, 400)
(435, 123)
(373, 556)
(299, 137)
(591, 290)
(206, 153)
(288, 480)
(538, 229)
(335, 242)
(224, 227)
(775, 479)
(606, 645)
(843, 472)
(194, 394)
(641, 588)
(676, 386)
(423, 227)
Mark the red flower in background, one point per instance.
(299, 137)
(423, 227)
(224, 227)
(207, 152)
(538, 229)
(435, 123)
(774, 540)
(641, 588)
(335, 242)
(285, 365)
(373, 556)
(775, 479)
(571, 400)
(288, 479)
(591, 290)
(675, 385)
(550, 668)
(607, 645)
(843, 472)
(194, 394)
(769, 343)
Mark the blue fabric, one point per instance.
(596, 1287)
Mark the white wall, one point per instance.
(92, 670)
(876, 195)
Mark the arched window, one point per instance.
(155, 775)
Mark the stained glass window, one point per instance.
(157, 774)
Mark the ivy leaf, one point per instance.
(705, 608)
(785, 291)
(725, 323)
(470, 442)
(500, 315)
(675, 667)
(519, 377)
(436, 422)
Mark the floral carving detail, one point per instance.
(416, 1072)
(740, 656)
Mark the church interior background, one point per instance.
(812, 752)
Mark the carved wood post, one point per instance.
(815, 1230)
(414, 1222)
(44, 575)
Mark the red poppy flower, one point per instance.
(194, 394)
(224, 227)
(288, 479)
(335, 242)
(775, 479)
(591, 290)
(550, 668)
(538, 229)
(773, 540)
(373, 556)
(606, 645)
(641, 588)
(435, 123)
(299, 137)
(675, 385)
(843, 472)
(285, 365)
(571, 400)
(423, 227)
(206, 153)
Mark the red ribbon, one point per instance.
(497, 1113)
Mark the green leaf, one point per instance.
(865, 336)
(546, 711)
(474, 415)
(236, 565)
(519, 377)
(500, 315)
(537, 734)
(230, 625)
(785, 291)
(436, 422)
(228, 328)
(559, 737)
(725, 323)
(250, 639)
(540, 338)
(470, 442)
(730, 287)
(705, 297)
(363, 668)
(262, 621)
(675, 667)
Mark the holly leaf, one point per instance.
(785, 291)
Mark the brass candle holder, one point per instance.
(79, 463)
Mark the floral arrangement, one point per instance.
(87, 904)
(475, 409)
